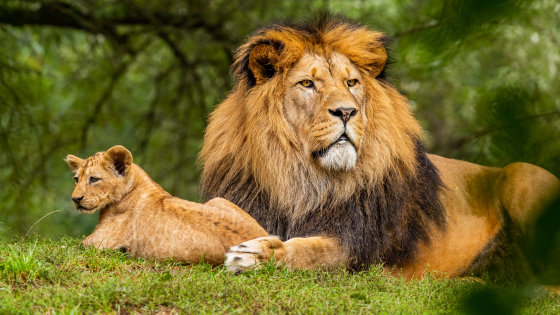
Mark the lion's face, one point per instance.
(324, 104)
(100, 179)
(310, 122)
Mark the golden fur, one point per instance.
(274, 147)
(138, 216)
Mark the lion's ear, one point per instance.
(364, 47)
(378, 57)
(118, 158)
(257, 62)
(73, 161)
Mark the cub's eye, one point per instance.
(352, 82)
(76, 179)
(93, 179)
(306, 83)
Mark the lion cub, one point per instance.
(138, 216)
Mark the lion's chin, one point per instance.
(341, 156)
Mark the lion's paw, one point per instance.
(250, 254)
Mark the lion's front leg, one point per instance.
(298, 253)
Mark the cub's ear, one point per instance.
(256, 62)
(118, 158)
(73, 161)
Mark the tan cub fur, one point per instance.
(137, 215)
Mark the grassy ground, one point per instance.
(62, 277)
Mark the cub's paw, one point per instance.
(250, 254)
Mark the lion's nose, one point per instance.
(77, 199)
(344, 113)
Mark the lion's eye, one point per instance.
(306, 83)
(352, 82)
(93, 179)
(76, 179)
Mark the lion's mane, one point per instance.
(380, 210)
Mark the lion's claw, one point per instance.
(251, 254)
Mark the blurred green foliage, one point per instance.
(80, 76)
(543, 248)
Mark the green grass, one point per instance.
(62, 277)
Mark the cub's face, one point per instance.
(100, 179)
(324, 104)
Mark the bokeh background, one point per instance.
(80, 76)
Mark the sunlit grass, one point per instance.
(64, 278)
(19, 264)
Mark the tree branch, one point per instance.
(419, 28)
(459, 143)
(65, 15)
(92, 117)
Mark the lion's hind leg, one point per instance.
(525, 190)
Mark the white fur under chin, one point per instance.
(339, 157)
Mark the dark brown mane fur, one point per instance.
(381, 224)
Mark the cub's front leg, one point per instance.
(298, 253)
(101, 239)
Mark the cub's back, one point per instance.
(218, 217)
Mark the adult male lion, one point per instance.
(324, 153)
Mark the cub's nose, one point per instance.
(77, 199)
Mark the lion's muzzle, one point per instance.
(344, 113)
